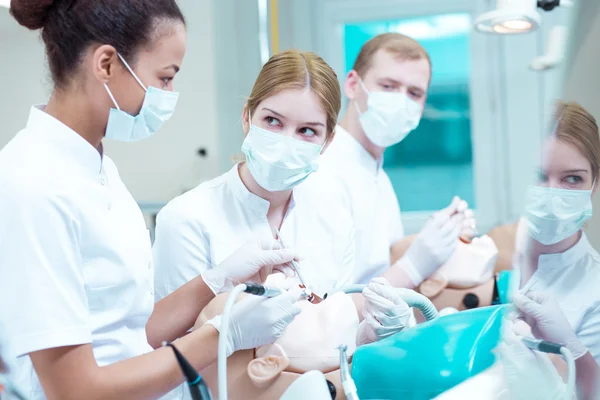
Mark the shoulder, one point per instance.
(196, 204)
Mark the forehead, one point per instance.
(559, 155)
(168, 44)
(300, 105)
(386, 64)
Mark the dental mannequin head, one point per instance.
(84, 40)
(309, 343)
(288, 120)
(389, 81)
(560, 202)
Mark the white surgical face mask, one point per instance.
(555, 214)
(279, 162)
(389, 118)
(157, 108)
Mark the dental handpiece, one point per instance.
(198, 388)
(542, 345)
(262, 290)
(346, 378)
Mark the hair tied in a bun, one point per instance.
(31, 14)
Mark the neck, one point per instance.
(535, 249)
(351, 123)
(73, 110)
(278, 201)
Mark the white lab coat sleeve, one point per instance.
(181, 251)
(42, 286)
(588, 332)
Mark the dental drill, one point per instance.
(554, 348)
(251, 288)
(346, 378)
(412, 298)
(198, 388)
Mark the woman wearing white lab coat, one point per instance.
(76, 275)
(559, 270)
(289, 119)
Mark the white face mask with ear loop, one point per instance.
(389, 117)
(278, 162)
(158, 107)
(555, 214)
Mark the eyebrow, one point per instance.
(174, 67)
(282, 117)
(572, 171)
(398, 83)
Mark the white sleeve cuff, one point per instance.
(25, 344)
(407, 266)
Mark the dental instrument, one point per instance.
(294, 263)
(198, 388)
(251, 288)
(346, 378)
(554, 348)
(412, 298)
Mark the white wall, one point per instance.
(156, 169)
(582, 80)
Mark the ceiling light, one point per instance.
(510, 17)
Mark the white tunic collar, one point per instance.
(256, 204)
(566, 258)
(65, 139)
(352, 148)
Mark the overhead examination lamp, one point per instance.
(516, 16)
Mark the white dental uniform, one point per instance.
(199, 229)
(573, 278)
(75, 254)
(368, 191)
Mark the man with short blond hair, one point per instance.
(386, 91)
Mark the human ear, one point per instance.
(264, 370)
(104, 63)
(245, 120)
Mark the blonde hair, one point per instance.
(402, 46)
(294, 69)
(573, 124)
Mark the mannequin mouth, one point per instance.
(312, 297)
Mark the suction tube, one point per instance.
(412, 298)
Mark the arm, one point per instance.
(174, 315)
(588, 370)
(181, 254)
(72, 373)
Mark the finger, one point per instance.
(380, 281)
(285, 269)
(538, 297)
(526, 305)
(269, 244)
(451, 224)
(377, 300)
(439, 219)
(462, 206)
(453, 207)
(277, 257)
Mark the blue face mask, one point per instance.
(157, 108)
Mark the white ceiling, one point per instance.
(4, 3)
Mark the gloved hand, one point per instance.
(385, 312)
(256, 321)
(547, 321)
(529, 375)
(252, 262)
(436, 242)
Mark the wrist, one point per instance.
(216, 280)
(407, 265)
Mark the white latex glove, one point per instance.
(256, 321)
(252, 262)
(529, 375)
(436, 242)
(547, 321)
(385, 312)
